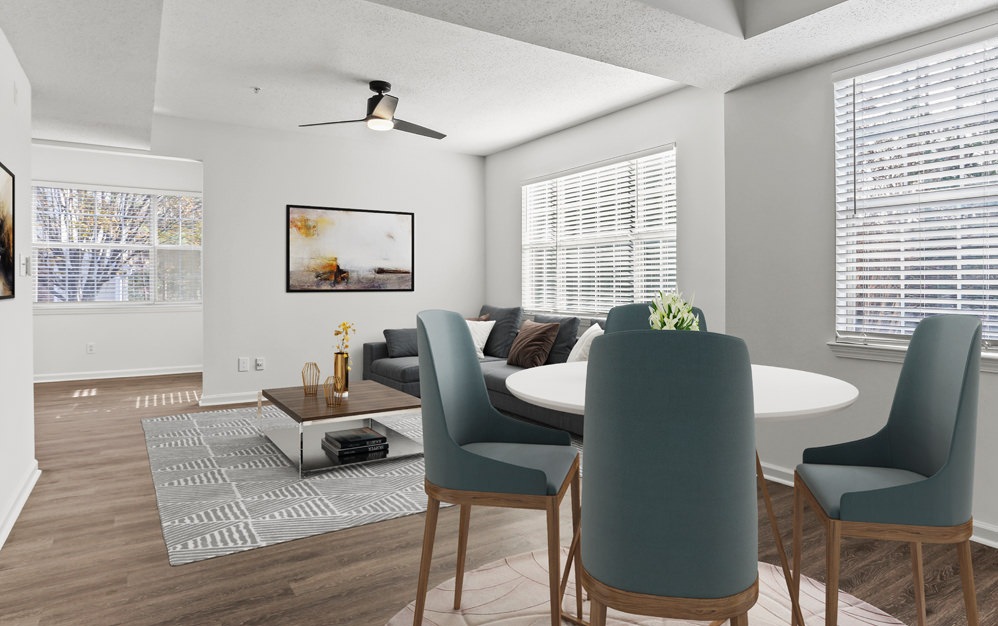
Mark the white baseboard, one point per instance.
(984, 532)
(22, 496)
(130, 373)
(216, 399)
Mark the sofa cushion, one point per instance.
(495, 373)
(401, 342)
(568, 329)
(507, 323)
(532, 344)
(403, 369)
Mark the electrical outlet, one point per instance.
(260, 363)
(91, 347)
(243, 364)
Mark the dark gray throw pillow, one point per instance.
(401, 342)
(502, 335)
(568, 332)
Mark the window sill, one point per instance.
(894, 354)
(113, 309)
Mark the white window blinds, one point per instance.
(916, 174)
(102, 245)
(601, 237)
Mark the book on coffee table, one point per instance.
(355, 455)
(354, 438)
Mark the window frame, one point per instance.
(119, 307)
(892, 347)
(564, 243)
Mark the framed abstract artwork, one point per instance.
(331, 249)
(8, 261)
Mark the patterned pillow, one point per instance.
(480, 334)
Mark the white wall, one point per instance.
(129, 341)
(781, 262)
(690, 118)
(18, 467)
(251, 175)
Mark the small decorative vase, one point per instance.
(310, 378)
(341, 370)
(331, 388)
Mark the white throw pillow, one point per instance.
(480, 334)
(581, 350)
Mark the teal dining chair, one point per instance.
(913, 480)
(635, 317)
(670, 520)
(476, 455)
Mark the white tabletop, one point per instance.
(779, 392)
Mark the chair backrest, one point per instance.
(454, 399)
(933, 421)
(635, 317)
(670, 491)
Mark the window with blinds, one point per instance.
(601, 237)
(103, 245)
(916, 174)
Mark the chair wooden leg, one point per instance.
(576, 521)
(462, 552)
(554, 560)
(967, 578)
(740, 620)
(918, 579)
(798, 522)
(597, 613)
(429, 533)
(832, 555)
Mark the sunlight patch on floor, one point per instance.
(189, 396)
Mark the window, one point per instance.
(125, 246)
(604, 236)
(916, 174)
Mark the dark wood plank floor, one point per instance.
(87, 549)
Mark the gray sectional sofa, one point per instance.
(394, 363)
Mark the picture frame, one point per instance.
(340, 249)
(8, 256)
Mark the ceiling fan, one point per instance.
(381, 114)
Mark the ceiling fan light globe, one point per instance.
(377, 123)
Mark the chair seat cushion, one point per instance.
(829, 482)
(554, 461)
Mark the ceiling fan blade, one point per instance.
(409, 127)
(382, 106)
(325, 123)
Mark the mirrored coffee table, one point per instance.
(310, 418)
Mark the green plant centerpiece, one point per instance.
(669, 311)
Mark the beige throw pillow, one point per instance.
(580, 352)
(479, 335)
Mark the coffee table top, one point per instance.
(366, 396)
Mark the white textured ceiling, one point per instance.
(490, 74)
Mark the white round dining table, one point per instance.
(779, 392)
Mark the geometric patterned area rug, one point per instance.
(514, 592)
(223, 487)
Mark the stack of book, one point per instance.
(355, 445)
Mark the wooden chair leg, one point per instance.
(597, 613)
(833, 548)
(429, 533)
(918, 579)
(798, 522)
(967, 578)
(554, 560)
(462, 552)
(576, 521)
(740, 620)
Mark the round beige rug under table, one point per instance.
(514, 592)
